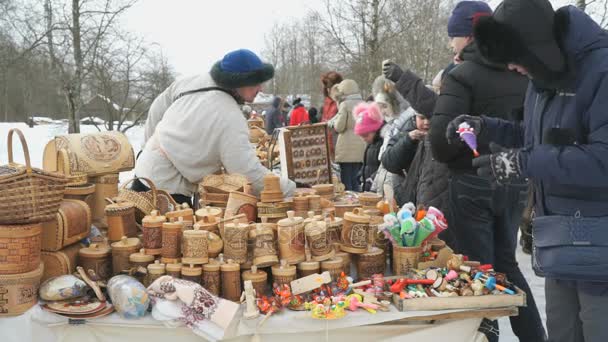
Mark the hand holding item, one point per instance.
(391, 70)
(503, 165)
(476, 124)
(417, 134)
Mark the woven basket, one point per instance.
(144, 202)
(28, 195)
(20, 248)
(19, 292)
(224, 183)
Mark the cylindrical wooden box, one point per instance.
(291, 239)
(324, 190)
(209, 211)
(155, 271)
(258, 278)
(141, 260)
(106, 186)
(231, 281)
(346, 260)
(184, 211)
(215, 245)
(273, 210)
(211, 280)
(81, 193)
(264, 252)
(334, 266)
(20, 248)
(192, 273)
(369, 200)
(405, 258)
(153, 237)
(195, 246)
(307, 268)
(121, 251)
(121, 220)
(283, 273)
(317, 240)
(355, 232)
(236, 235)
(343, 208)
(300, 205)
(19, 292)
(314, 204)
(334, 230)
(172, 240)
(97, 258)
(174, 270)
(241, 203)
(370, 263)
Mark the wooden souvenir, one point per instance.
(249, 297)
(334, 266)
(209, 211)
(195, 246)
(235, 241)
(273, 210)
(215, 245)
(300, 205)
(309, 283)
(184, 211)
(378, 239)
(283, 273)
(264, 250)
(405, 258)
(306, 268)
(174, 270)
(19, 292)
(370, 263)
(272, 189)
(71, 224)
(81, 193)
(258, 279)
(210, 224)
(355, 232)
(241, 203)
(106, 186)
(121, 251)
(369, 200)
(192, 273)
(155, 271)
(20, 248)
(172, 239)
(224, 183)
(291, 239)
(139, 262)
(304, 152)
(120, 218)
(324, 190)
(334, 229)
(231, 281)
(96, 257)
(211, 279)
(317, 240)
(343, 207)
(216, 200)
(314, 204)
(153, 236)
(465, 302)
(346, 260)
(61, 262)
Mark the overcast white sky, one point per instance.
(194, 34)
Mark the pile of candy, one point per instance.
(410, 227)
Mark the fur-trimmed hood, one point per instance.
(546, 43)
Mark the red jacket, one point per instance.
(330, 108)
(298, 115)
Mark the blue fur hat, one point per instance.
(463, 17)
(241, 68)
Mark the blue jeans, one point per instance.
(484, 219)
(349, 174)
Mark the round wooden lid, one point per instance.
(174, 267)
(236, 224)
(357, 215)
(230, 266)
(255, 274)
(126, 243)
(374, 251)
(156, 267)
(283, 269)
(177, 225)
(370, 196)
(309, 266)
(212, 266)
(332, 263)
(208, 211)
(95, 251)
(80, 190)
(153, 218)
(141, 257)
(291, 220)
(119, 207)
(196, 231)
(192, 270)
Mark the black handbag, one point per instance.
(571, 247)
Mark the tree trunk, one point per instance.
(582, 4)
(48, 10)
(75, 88)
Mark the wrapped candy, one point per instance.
(467, 134)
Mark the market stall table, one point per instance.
(461, 325)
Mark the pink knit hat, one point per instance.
(368, 118)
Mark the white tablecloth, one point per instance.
(41, 326)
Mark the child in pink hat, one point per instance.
(368, 123)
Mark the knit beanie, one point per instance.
(368, 118)
(463, 17)
(241, 68)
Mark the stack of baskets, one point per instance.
(214, 189)
(272, 205)
(28, 197)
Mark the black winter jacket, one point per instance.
(371, 163)
(473, 87)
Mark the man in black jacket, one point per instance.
(274, 116)
(484, 216)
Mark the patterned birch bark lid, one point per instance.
(153, 218)
(196, 231)
(156, 268)
(309, 266)
(174, 225)
(212, 266)
(126, 243)
(230, 266)
(208, 211)
(141, 257)
(119, 207)
(174, 267)
(191, 270)
(291, 220)
(283, 269)
(357, 215)
(95, 251)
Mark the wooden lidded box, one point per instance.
(71, 224)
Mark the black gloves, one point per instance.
(504, 165)
(391, 71)
(475, 122)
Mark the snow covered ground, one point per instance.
(38, 136)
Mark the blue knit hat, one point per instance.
(241, 68)
(463, 17)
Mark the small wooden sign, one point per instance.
(310, 283)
